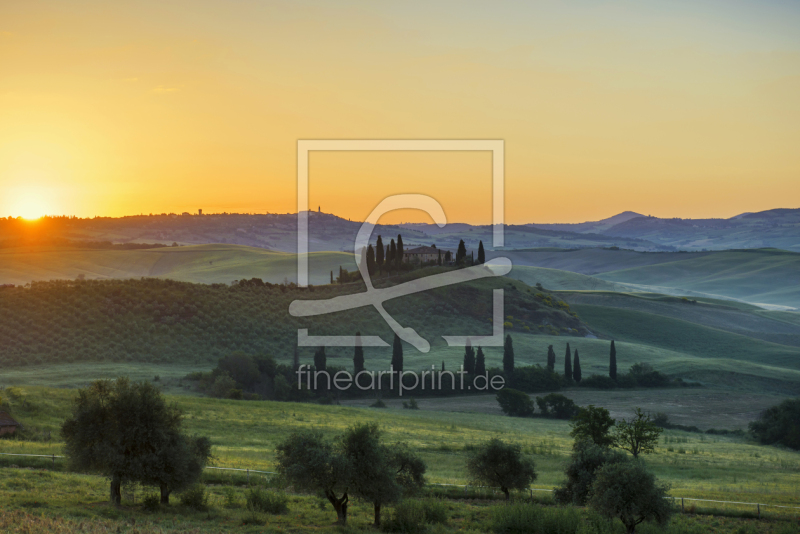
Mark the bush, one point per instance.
(598, 382)
(413, 515)
(410, 405)
(525, 518)
(779, 425)
(195, 498)
(515, 403)
(230, 498)
(378, 404)
(151, 503)
(260, 500)
(557, 406)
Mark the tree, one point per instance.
(320, 359)
(515, 403)
(398, 255)
(480, 363)
(370, 260)
(593, 424)
(469, 359)
(239, 366)
(390, 254)
(127, 432)
(612, 362)
(586, 459)
(568, 365)
(461, 253)
(448, 257)
(358, 355)
(557, 406)
(508, 356)
(481, 253)
(397, 354)
(779, 425)
(638, 436)
(309, 462)
(379, 255)
(499, 464)
(379, 474)
(551, 358)
(626, 490)
(576, 368)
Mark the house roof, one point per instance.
(7, 420)
(424, 250)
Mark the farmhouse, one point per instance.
(422, 254)
(7, 424)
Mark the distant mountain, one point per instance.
(591, 227)
(778, 228)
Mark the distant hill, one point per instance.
(591, 227)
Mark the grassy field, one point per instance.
(757, 276)
(557, 279)
(204, 264)
(245, 434)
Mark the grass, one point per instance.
(195, 263)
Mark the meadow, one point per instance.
(245, 434)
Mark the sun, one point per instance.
(30, 207)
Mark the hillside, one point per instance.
(200, 263)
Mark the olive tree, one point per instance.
(379, 474)
(586, 459)
(640, 435)
(127, 432)
(309, 462)
(499, 464)
(626, 490)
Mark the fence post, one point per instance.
(758, 510)
(54, 461)
(681, 504)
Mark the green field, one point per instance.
(245, 434)
(204, 264)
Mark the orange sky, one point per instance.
(687, 109)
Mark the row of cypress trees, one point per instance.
(572, 363)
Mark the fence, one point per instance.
(465, 486)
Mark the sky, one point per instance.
(673, 109)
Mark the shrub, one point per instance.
(378, 404)
(230, 498)
(525, 518)
(151, 503)
(779, 425)
(410, 405)
(515, 403)
(195, 498)
(557, 406)
(270, 502)
(413, 515)
(599, 382)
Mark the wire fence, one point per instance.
(466, 487)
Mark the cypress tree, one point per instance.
(442, 365)
(379, 257)
(439, 260)
(370, 260)
(612, 363)
(320, 359)
(358, 355)
(481, 253)
(397, 354)
(551, 358)
(508, 356)
(480, 363)
(568, 365)
(296, 359)
(398, 255)
(448, 257)
(469, 359)
(390, 254)
(576, 368)
(461, 253)
(331, 277)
